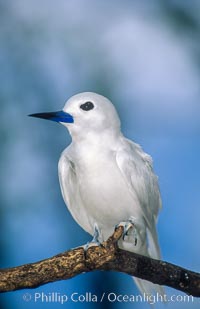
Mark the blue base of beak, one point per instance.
(59, 116)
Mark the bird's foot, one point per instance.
(95, 240)
(129, 229)
(92, 243)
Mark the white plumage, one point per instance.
(106, 179)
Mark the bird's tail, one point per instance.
(148, 290)
(153, 251)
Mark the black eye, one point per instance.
(87, 106)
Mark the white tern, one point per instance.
(106, 178)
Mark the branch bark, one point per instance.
(106, 257)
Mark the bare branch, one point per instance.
(106, 257)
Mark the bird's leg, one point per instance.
(96, 235)
(95, 240)
(128, 226)
(132, 222)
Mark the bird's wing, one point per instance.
(137, 169)
(70, 189)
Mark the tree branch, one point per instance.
(106, 257)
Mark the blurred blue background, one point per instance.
(145, 57)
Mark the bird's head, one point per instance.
(85, 113)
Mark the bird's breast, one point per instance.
(103, 190)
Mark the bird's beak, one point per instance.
(59, 116)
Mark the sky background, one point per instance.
(145, 57)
